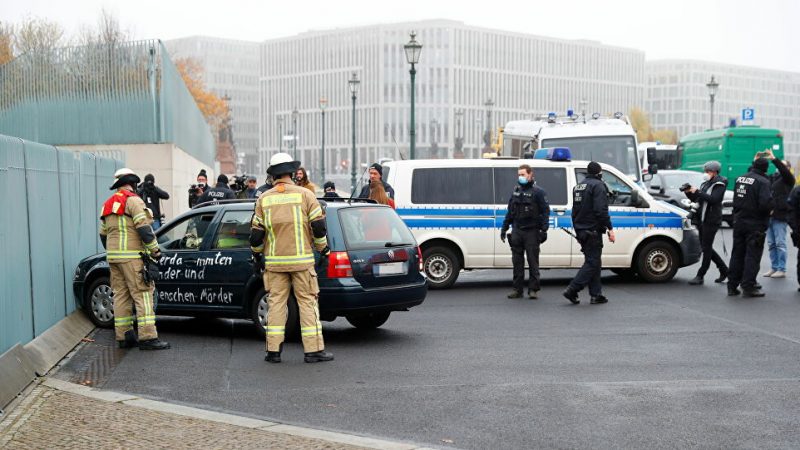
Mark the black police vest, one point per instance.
(525, 208)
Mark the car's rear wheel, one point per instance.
(260, 311)
(657, 262)
(368, 321)
(100, 303)
(441, 266)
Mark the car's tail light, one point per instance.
(419, 259)
(339, 265)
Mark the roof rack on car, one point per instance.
(224, 202)
(346, 200)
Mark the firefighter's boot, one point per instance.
(130, 340)
(153, 344)
(320, 356)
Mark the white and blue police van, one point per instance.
(456, 207)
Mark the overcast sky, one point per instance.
(758, 33)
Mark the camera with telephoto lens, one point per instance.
(239, 183)
(685, 187)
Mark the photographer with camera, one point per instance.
(219, 192)
(152, 196)
(782, 182)
(706, 215)
(197, 190)
(752, 206)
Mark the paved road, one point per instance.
(666, 365)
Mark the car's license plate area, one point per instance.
(390, 269)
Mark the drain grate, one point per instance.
(96, 361)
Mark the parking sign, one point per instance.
(748, 114)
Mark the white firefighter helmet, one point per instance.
(125, 176)
(281, 164)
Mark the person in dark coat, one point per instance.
(330, 190)
(708, 218)
(219, 192)
(782, 182)
(376, 174)
(152, 196)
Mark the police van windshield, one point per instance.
(617, 151)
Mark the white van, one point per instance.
(455, 209)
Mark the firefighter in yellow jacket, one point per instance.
(288, 219)
(126, 233)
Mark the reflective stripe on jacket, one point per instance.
(285, 213)
(122, 240)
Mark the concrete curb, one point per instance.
(20, 365)
(230, 419)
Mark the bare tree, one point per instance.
(6, 42)
(37, 35)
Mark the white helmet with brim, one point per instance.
(282, 164)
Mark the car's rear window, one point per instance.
(373, 227)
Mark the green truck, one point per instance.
(733, 147)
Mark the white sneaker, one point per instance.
(778, 274)
(768, 273)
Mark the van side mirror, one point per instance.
(647, 177)
(651, 154)
(637, 201)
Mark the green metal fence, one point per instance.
(49, 223)
(127, 93)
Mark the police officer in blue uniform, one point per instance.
(752, 206)
(528, 214)
(591, 221)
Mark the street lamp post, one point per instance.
(354, 82)
(323, 103)
(712, 86)
(280, 134)
(412, 49)
(295, 113)
(489, 104)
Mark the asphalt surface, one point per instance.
(660, 366)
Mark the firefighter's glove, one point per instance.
(542, 237)
(155, 255)
(325, 251)
(258, 263)
(503, 234)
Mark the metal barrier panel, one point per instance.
(46, 246)
(69, 186)
(89, 208)
(16, 313)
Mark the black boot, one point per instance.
(273, 357)
(320, 356)
(571, 295)
(533, 295)
(750, 293)
(130, 340)
(153, 344)
(723, 275)
(732, 291)
(696, 280)
(515, 294)
(598, 299)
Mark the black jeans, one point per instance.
(748, 247)
(525, 242)
(589, 274)
(707, 234)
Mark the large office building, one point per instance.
(677, 98)
(468, 80)
(230, 69)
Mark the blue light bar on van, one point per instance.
(553, 154)
(570, 112)
(551, 117)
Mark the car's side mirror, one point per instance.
(647, 177)
(637, 201)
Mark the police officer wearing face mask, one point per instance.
(752, 206)
(529, 216)
(708, 218)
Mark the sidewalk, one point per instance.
(57, 414)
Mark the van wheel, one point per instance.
(441, 266)
(368, 321)
(657, 262)
(260, 311)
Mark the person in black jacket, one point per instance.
(793, 217)
(708, 218)
(782, 183)
(752, 206)
(330, 190)
(375, 174)
(529, 215)
(219, 192)
(152, 196)
(591, 221)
